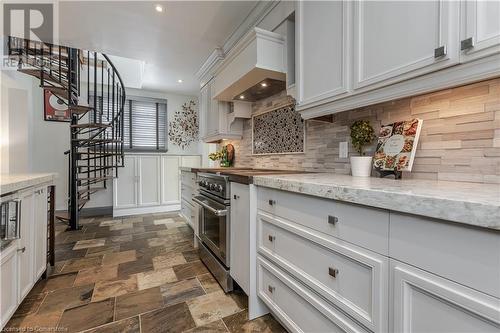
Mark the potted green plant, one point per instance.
(362, 134)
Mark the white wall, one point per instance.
(30, 144)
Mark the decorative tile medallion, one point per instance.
(278, 132)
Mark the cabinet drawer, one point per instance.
(353, 279)
(186, 192)
(187, 211)
(424, 302)
(467, 255)
(188, 178)
(298, 308)
(361, 225)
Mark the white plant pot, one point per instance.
(361, 166)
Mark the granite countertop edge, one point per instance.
(471, 211)
(16, 182)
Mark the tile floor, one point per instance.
(134, 274)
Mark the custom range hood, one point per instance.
(254, 69)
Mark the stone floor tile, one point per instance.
(75, 265)
(239, 322)
(132, 304)
(96, 274)
(181, 291)
(189, 270)
(152, 279)
(119, 257)
(172, 319)
(129, 325)
(87, 316)
(113, 288)
(168, 260)
(211, 307)
(209, 283)
(87, 243)
(62, 299)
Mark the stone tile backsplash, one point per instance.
(460, 138)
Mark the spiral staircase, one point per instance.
(90, 89)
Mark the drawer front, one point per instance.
(188, 178)
(360, 225)
(298, 308)
(467, 255)
(187, 211)
(424, 302)
(351, 278)
(186, 192)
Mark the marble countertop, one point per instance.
(15, 182)
(468, 203)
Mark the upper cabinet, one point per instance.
(480, 31)
(322, 50)
(398, 40)
(352, 54)
(217, 119)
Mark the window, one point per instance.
(145, 123)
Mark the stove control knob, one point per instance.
(200, 183)
(218, 188)
(211, 187)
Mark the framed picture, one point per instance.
(54, 108)
(397, 145)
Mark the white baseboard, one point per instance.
(117, 212)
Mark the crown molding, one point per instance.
(261, 9)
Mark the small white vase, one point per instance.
(361, 166)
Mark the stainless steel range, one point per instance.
(214, 200)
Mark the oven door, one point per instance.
(214, 227)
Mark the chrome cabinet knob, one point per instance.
(236, 197)
(272, 202)
(271, 238)
(271, 289)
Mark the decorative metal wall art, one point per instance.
(184, 127)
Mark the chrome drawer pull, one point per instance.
(333, 219)
(440, 51)
(236, 197)
(271, 238)
(22, 250)
(333, 271)
(272, 202)
(271, 289)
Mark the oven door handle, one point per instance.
(217, 212)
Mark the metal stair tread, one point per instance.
(58, 91)
(91, 190)
(38, 74)
(91, 125)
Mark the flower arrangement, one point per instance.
(362, 134)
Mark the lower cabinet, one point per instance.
(149, 183)
(9, 284)
(24, 261)
(316, 279)
(299, 309)
(424, 302)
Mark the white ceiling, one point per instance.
(173, 44)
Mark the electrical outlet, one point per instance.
(343, 149)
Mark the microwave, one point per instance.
(10, 218)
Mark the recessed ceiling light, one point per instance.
(159, 8)
(179, 81)
(242, 96)
(263, 84)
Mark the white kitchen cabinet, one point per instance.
(9, 283)
(25, 259)
(423, 302)
(480, 30)
(26, 244)
(170, 179)
(322, 50)
(240, 229)
(395, 41)
(40, 231)
(215, 121)
(149, 183)
(125, 186)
